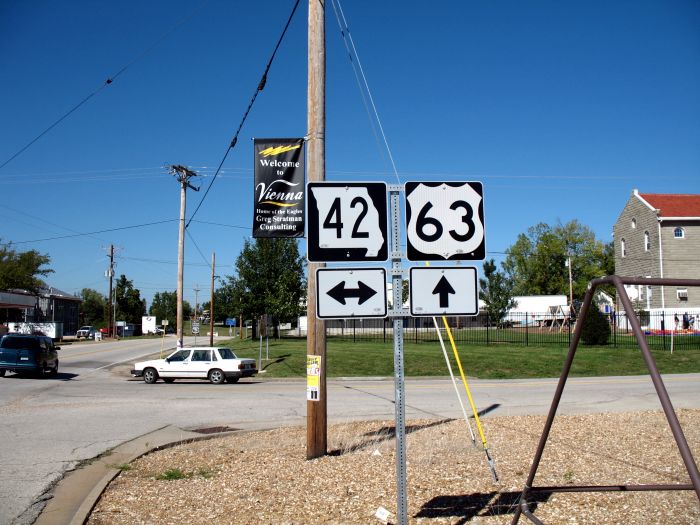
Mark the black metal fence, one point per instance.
(524, 329)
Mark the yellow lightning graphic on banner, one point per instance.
(268, 152)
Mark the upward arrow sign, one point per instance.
(362, 292)
(443, 288)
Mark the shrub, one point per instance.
(595, 329)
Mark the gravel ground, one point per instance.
(263, 477)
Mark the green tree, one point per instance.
(130, 307)
(270, 279)
(596, 328)
(164, 306)
(227, 300)
(93, 309)
(496, 292)
(537, 261)
(22, 270)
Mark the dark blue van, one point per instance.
(28, 354)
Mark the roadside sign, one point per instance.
(443, 291)
(195, 328)
(347, 221)
(231, 321)
(445, 221)
(355, 293)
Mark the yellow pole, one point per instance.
(471, 401)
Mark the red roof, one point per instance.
(674, 205)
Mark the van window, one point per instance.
(15, 343)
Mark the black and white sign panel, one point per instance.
(443, 291)
(342, 292)
(445, 221)
(347, 221)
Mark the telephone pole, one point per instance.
(110, 275)
(211, 301)
(182, 175)
(316, 410)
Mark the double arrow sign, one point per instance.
(434, 291)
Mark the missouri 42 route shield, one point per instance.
(445, 221)
(347, 221)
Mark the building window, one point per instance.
(634, 224)
(623, 250)
(682, 294)
(679, 233)
(647, 242)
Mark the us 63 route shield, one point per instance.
(445, 221)
(347, 221)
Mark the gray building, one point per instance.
(658, 235)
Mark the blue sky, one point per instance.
(561, 109)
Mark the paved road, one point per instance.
(49, 426)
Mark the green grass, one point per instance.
(287, 358)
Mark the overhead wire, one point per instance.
(261, 86)
(93, 232)
(346, 30)
(106, 83)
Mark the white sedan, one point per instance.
(212, 363)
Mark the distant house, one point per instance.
(658, 235)
(49, 306)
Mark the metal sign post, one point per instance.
(398, 314)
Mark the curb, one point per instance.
(76, 494)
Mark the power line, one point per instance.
(106, 83)
(92, 233)
(261, 86)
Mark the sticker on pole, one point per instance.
(313, 377)
(445, 221)
(347, 221)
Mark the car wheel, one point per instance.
(2, 372)
(41, 372)
(54, 370)
(232, 379)
(216, 376)
(150, 376)
(169, 380)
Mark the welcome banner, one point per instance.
(278, 210)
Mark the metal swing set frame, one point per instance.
(523, 507)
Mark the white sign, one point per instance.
(444, 221)
(347, 221)
(344, 293)
(195, 328)
(443, 291)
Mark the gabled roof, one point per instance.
(673, 205)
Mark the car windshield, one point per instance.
(86, 327)
(227, 353)
(180, 355)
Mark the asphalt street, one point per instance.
(51, 425)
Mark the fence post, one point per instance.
(663, 329)
(354, 326)
(488, 323)
(527, 341)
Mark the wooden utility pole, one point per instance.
(110, 274)
(316, 411)
(211, 301)
(182, 174)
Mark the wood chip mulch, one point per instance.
(264, 477)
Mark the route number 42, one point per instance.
(347, 221)
(445, 221)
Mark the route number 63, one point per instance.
(444, 221)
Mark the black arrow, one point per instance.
(443, 288)
(340, 293)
